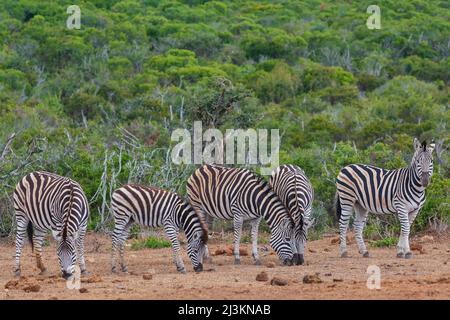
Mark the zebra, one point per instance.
(238, 195)
(45, 201)
(157, 208)
(368, 188)
(293, 187)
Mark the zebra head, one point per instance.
(197, 236)
(66, 251)
(422, 161)
(196, 249)
(282, 240)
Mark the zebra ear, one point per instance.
(430, 147)
(417, 144)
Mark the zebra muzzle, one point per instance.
(66, 275)
(287, 262)
(298, 259)
(198, 268)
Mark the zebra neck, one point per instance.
(189, 222)
(413, 179)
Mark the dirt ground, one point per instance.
(425, 276)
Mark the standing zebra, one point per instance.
(367, 188)
(238, 194)
(45, 201)
(155, 208)
(296, 192)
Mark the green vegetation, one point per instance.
(386, 242)
(99, 104)
(151, 242)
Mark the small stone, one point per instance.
(312, 250)
(262, 276)
(94, 279)
(278, 282)
(147, 276)
(312, 279)
(83, 290)
(327, 274)
(32, 288)
(338, 280)
(11, 284)
(270, 265)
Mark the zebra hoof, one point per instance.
(345, 255)
(408, 255)
(85, 273)
(400, 255)
(113, 269)
(366, 254)
(124, 269)
(237, 261)
(17, 273)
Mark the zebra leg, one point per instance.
(403, 250)
(360, 222)
(119, 227)
(80, 251)
(238, 222)
(254, 232)
(412, 216)
(38, 239)
(300, 242)
(123, 239)
(172, 234)
(20, 237)
(346, 213)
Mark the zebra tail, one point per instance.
(338, 207)
(30, 235)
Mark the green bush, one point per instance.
(151, 242)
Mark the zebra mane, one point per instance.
(203, 226)
(424, 145)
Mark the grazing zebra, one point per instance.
(157, 208)
(45, 201)
(296, 192)
(367, 188)
(238, 195)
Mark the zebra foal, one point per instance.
(238, 195)
(157, 208)
(45, 201)
(293, 187)
(367, 188)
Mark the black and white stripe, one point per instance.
(157, 208)
(293, 187)
(366, 188)
(45, 201)
(238, 195)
